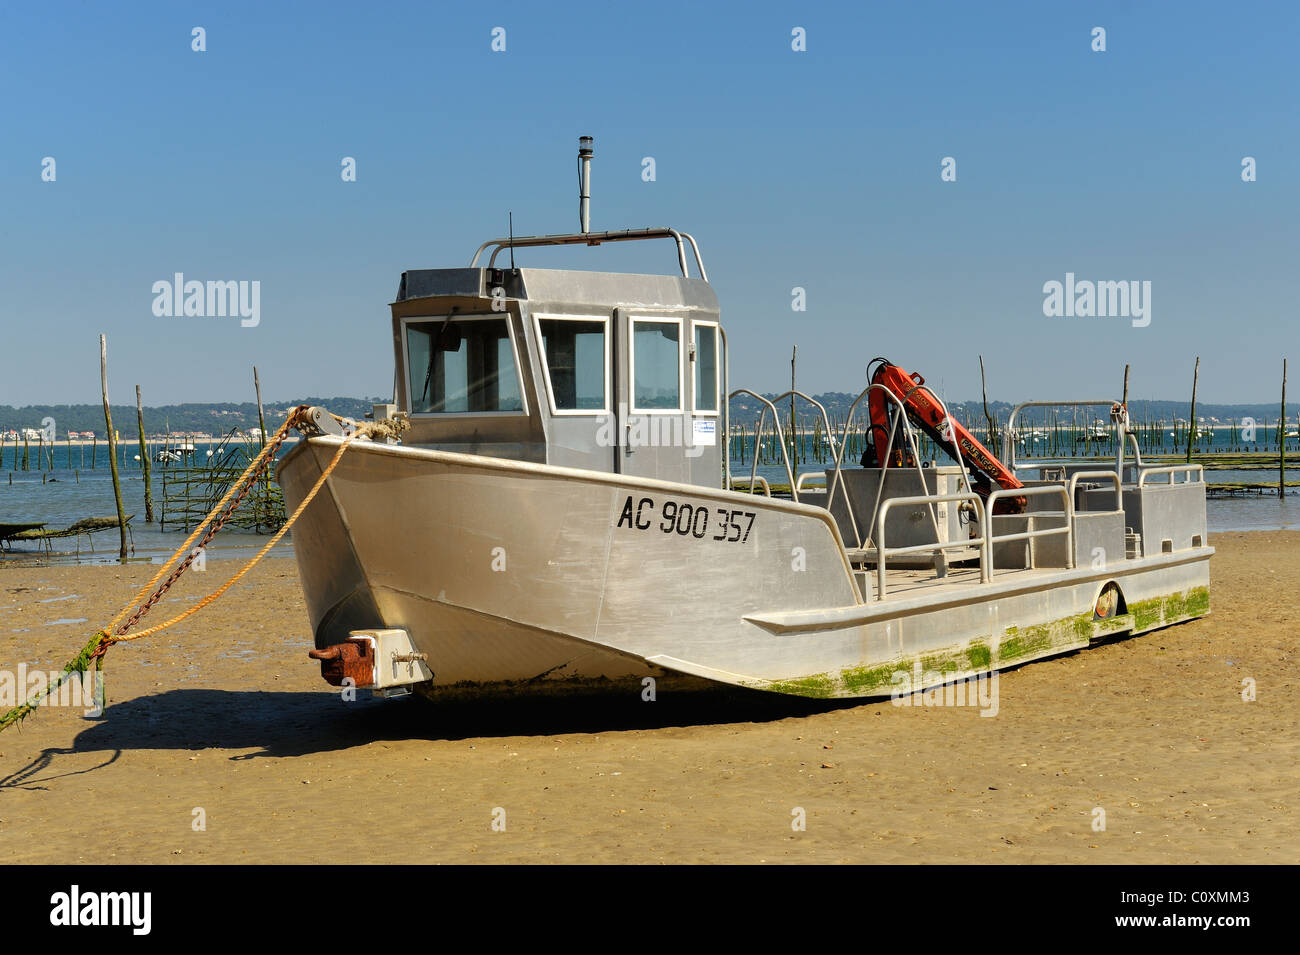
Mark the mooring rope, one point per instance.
(118, 627)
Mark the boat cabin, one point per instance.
(614, 372)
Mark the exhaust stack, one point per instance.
(584, 178)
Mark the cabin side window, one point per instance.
(656, 365)
(462, 365)
(575, 358)
(706, 368)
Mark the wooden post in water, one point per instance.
(112, 445)
(1191, 421)
(261, 418)
(794, 434)
(144, 459)
(994, 443)
(261, 429)
(1281, 462)
(1123, 437)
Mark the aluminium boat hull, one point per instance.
(513, 574)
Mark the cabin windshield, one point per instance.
(575, 356)
(462, 365)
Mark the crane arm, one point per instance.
(927, 413)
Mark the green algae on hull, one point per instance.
(974, 657)
(1160, 611)
(1018, 645)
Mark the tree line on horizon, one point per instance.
(215, 418)
(219, 418)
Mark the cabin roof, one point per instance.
(566, 286)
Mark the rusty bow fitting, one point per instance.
(354, 659)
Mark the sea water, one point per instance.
(65, 495)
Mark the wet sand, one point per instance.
(226, 714)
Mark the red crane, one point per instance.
(926, 412)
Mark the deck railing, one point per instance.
(908, 435)
(1067, 530)
(986, 539)
(836, 482)
(1119, 426)
(1171, 470)
(758, 438)
(760, 480)
(1098, 476)
(883, 553)
(810, 476)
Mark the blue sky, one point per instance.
(817, 169)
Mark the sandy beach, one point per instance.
(225, 720)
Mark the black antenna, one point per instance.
(512, 241)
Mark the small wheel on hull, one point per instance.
(1107, 603)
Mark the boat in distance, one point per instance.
(560, 511)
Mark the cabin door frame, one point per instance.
(651, 442)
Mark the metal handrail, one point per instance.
(595, 238)
(826, 421)
(1171, 470)
(1009, 432)
(767, 488)
(699, 262)
(1137, 450)
(726, 410)
(952, 434)
(1093, 476)
(810, 474)
(883, 552)
(758, 434)
(1067, 530)
(908, 435)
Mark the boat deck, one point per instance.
(913, 582)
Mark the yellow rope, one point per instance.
(184, 549)
(94, 650)
(260, 554)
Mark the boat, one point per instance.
(174, 453)
(1202, 430)
(1096, 431)
(560, 512)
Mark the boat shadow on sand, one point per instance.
(287, 724)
